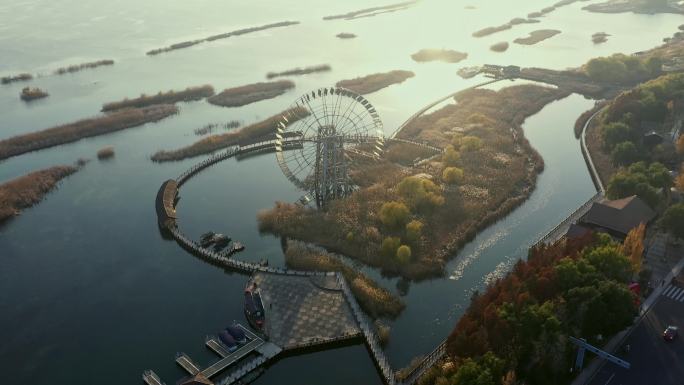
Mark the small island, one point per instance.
(105, 153)
(80, 67)
(28, 190)
(537, 36)
(300, 71)
(444, 55)
(251, 93)
(599, 37)
(636, 6)
(371, 83)
(499, 47)
(72, 132)
(217, 142)
(170, 97)
(190, 43)
(410, 219)
(16, 78)
(28, 94)
(369, 12)
(345, 35)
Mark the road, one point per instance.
(654, 360)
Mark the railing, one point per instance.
(555, 233)
(369, 333)
(596, 178)
(427, 362)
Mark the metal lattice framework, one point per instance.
(318, 137)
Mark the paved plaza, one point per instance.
(304, 311)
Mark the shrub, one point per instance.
(452, 175)
(389, 246)
(451, 156)
(404, 254)
(615, 133)
(105, 153)
(470, 143)
(673, 220)
(394, 214)
(420, 193)
(414, 231)
(624, 153)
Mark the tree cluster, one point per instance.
(642, 180)
(520, 325)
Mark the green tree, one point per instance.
(389, 246)
(451, 157)
(470, 143)
(624, 153)
(610, 262)
(421, 194)
(404, 254)
(471, 373)
(615, 133)
(452, 175)
(673, 220)
(414, 231)
(394, 214)
(659, 176)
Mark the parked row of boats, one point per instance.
(232, 338)
(220, 242)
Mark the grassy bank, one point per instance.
(373, 299)
(300, 71)
(240, 96)
(72, 132)
(371, 83)
(28, 190)
(217, 142)
(170, 97)
(243, 31)
(444, 55)
(82, 66)
(409, 221)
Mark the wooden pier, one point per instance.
(151, 378)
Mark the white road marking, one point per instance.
(610, 379)
(674, 293)
(680, 296)
(668, 290)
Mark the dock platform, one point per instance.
(186, 363)
(151, 378)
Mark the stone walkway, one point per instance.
(302, 313)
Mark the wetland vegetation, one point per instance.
(28, 190)
(251, 93)
(371, 83)
(375, 300)
(71, 132)
(82, 66)
(300, 71)
(190, 43)
(537, 36)
(369, 12)
(217, 142)
(170, 97)
(445, 55)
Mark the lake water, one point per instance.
(90, 292)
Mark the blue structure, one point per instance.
(584, 346)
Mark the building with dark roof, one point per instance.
(617, 217)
